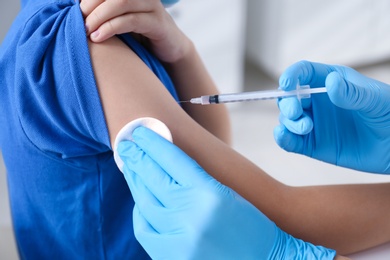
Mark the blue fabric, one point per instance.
(68, 199)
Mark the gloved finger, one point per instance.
(142, 228)
(162, 219)
(184, 170)
(348, 95)
(141, 194)
(287, 140)
(156, 244)
(156, 180)
(301, 126)
(169, 3)
(114, 8)
(87, 6)
(159, 217)
(304, 73)
(306, 103)
(291, 108)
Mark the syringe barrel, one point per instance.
(255, 95)
(301, 92)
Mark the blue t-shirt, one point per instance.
(68, 199)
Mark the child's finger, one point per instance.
(109, 10)
(134, 22)
(87, 6)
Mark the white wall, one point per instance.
(217, 27)
(349, 32)
(4, 205)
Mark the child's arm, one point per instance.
(129, 90)
(348, 218)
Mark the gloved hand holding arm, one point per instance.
(349, 126)
(182, 212)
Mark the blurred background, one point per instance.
(246, 45)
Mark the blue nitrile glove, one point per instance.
(349, 126)
(169, 3)
(181, 212)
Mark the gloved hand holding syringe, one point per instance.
(300, 92)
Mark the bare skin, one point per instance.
(341, 258)
(348, 218)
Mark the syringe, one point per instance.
(300, 92)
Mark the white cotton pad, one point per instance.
(126, 133)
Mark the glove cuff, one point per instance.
(289, 247)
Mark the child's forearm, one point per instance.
(348, 218)
(191, 79)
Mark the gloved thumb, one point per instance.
(348, 95)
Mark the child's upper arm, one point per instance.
(128, 90)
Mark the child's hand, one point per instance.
(104, 19)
